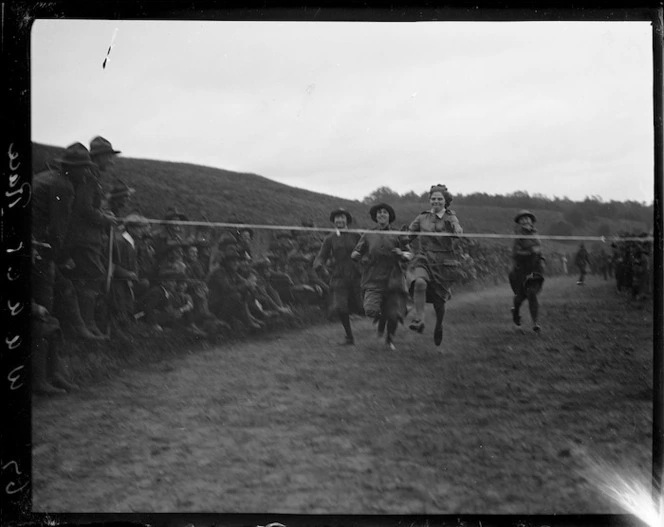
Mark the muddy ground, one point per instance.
(494, 422)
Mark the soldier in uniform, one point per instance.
(345, 296)
(435, 266)
(53, 194)
(86, 238)
(526, 277)
(383, 279)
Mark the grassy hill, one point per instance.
(242, 197)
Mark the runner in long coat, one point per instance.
(435, 266)
(383, 278)
(526, 277)
(345, 295)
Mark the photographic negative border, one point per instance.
(17, 20)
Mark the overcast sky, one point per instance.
(557, 108)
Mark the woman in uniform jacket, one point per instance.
(435, 266)
(383, 279)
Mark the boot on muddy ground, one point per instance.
(56, 367)
(40, 383)
(87, 300)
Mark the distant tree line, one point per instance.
(575, 213)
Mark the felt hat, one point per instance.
(374, 210)
(175, 214)
(339, 211)
(523, 213)
(99, 146)
(75, 155)
(120, 190)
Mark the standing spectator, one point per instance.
(383, 278)
(86, 241)
(53, 195)
(563, 260)
(124, 266)
(48, 373)
(344, 276)
(434, 268)
(526, 278)
(582, 260)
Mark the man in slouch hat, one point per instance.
(53, 196)
(345, 295)
(86, 239)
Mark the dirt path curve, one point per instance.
(496, 422)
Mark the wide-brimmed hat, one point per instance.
(75, 155)
(226, 239)
(120, 190)
(136, 219)
(374, 210)
(99, 146)
(175, 214)
(339, 211)
(523, 213)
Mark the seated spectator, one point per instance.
(170, 236)
(246, 241)
(307, 288)
(267, 294)
(173, 261)
(228, 292)
(181, 309)
(155, 307)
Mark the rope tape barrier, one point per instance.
(252, 226)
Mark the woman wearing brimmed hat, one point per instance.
(345, 297)
(383, 277)
(526, 277)
(434, 268)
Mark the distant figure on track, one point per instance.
(435, 266)
(344, 276)
(526, 278)
(582, 260)
(383, 279)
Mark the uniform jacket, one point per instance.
(339, 249)
(52, 201)
(427, 221)
(378, 263)
(89, 225)
(526, 248)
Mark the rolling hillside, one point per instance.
(242, 197)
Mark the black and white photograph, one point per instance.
(342, 267)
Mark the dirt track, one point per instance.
(495, 423)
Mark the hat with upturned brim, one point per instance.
(120, 190)
(523, 213)
(341, 211)
(100, 146)
(374, 210)
(75, 155)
